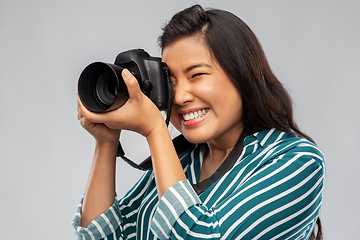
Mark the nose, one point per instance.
(183, 93)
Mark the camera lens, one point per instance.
(107, 88)
(101, 87)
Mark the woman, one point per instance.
(250, 174)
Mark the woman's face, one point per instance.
(207, 106)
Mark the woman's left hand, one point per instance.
(138, 114)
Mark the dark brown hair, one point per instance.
(266, 103)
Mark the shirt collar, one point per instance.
(266, 137)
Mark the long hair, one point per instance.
(266, 103)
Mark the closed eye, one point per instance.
(196, 75)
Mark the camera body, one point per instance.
(101, 87)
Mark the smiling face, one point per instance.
(207, 106)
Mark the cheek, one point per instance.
(217, 87)
(207, 88)
(236, 106)
(231, 101)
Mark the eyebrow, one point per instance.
(196, 66)
(193, 67)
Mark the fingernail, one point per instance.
(126, 73)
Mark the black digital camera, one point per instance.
(101, 87)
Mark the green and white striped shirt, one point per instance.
(273, 191)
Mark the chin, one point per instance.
(193, 135)
(195, 138)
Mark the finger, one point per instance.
(88, 115)
(131, 83)
(80, 107)
(79, 113)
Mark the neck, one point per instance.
(219, 149)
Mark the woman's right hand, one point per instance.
(101, 132)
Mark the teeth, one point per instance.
(193, 115)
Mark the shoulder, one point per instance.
(282, 144)
(303, 148)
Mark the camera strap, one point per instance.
(181, 146)
(170, 93)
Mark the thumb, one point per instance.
(131, 83)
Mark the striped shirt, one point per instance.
(273, 191)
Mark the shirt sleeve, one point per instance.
(117, 222)
(107, 224)
(280, 199)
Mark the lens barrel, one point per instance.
(101, 87)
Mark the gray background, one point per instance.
(45, 156)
